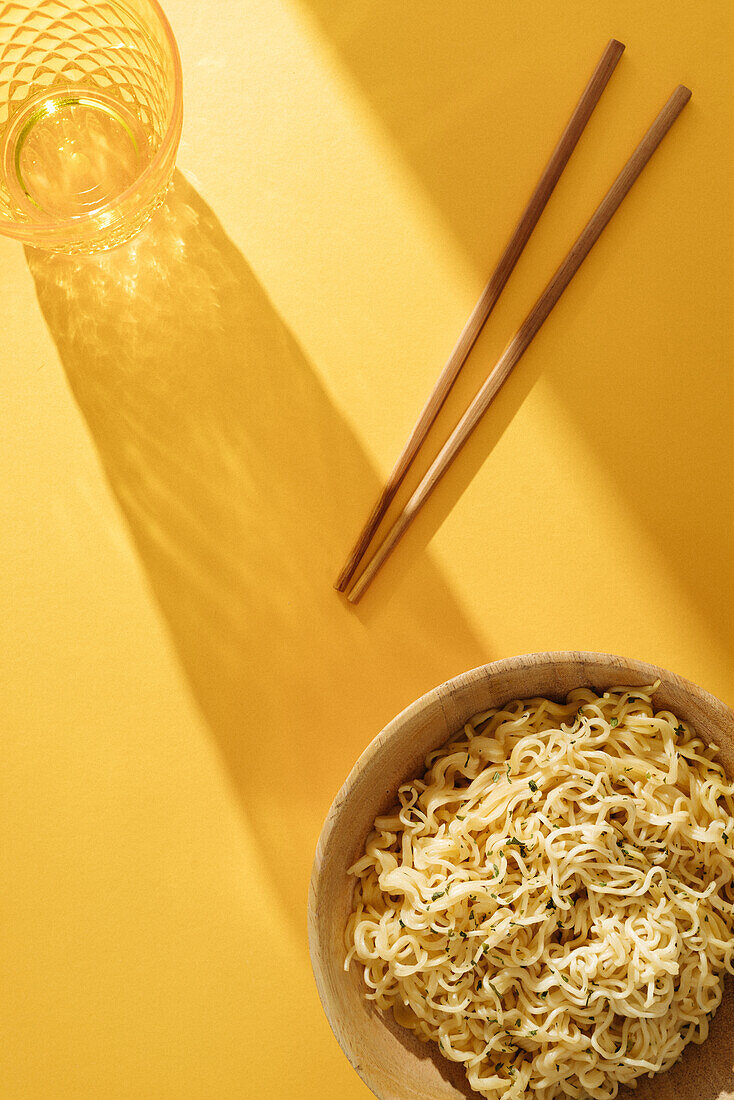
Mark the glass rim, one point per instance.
(54, 233)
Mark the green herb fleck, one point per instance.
(533, 785)
(550, 904)
(614, 722)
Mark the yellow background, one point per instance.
(193, 435)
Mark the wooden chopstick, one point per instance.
(520, 236)
(524, 335)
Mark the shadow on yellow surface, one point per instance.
(638, 352)
(241, 486)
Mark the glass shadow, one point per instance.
(242, 487)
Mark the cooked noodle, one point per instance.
(553, 901)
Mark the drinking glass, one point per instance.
(90, 120)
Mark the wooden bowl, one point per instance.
(391, 1061)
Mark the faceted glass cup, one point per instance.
(90, 120)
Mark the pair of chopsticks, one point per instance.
(524, 335)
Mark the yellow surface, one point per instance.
(192, 442)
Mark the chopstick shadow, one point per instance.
(241, 487)
(476, 452)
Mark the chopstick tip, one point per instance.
(355, 593)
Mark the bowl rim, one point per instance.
(649, 673)
(82, 227)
